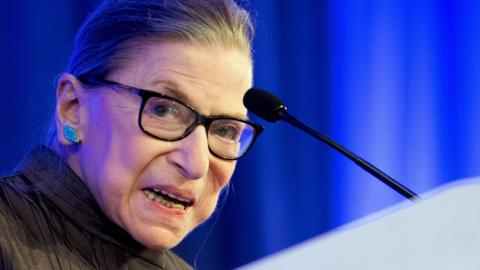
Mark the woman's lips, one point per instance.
(169, 197)
(163, 207)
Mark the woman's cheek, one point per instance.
(206, 208)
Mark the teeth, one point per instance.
(171, 195)
(150, 194)
(159, 199)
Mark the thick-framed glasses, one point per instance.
(169, 119)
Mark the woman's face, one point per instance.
(122, 165)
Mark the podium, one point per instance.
(441, 231)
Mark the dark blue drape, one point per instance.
(397, 82)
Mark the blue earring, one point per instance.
(71, 134)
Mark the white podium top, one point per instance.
(441, 232)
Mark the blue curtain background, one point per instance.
(397, 82)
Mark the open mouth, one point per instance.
(166, 199)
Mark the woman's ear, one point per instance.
(68, 112)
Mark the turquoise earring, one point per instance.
(71, 134)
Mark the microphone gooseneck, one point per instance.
(267, 106)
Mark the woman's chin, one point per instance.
(157, 238)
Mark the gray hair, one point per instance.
(104, 39)
(101, 39)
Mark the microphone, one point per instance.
(270, 108)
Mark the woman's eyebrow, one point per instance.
(236, 115)
(172, 89)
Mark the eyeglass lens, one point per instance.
(167, 119)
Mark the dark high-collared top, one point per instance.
(50, 220)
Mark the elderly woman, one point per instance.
(148, 125)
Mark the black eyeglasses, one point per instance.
(169, 119)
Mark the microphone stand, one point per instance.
(404, 191)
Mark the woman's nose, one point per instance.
(193, 154)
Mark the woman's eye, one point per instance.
(229, 132)
(163, 110)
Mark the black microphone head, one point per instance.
(263, 104)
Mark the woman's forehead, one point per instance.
(174, 49)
